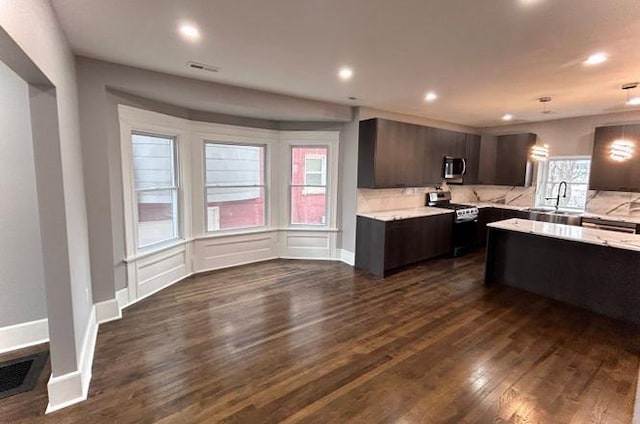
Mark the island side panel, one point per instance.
(602, 279)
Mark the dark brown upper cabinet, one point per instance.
(608, 174)
(512, 165)
(397, 154)
(472, 155)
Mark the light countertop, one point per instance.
(569, 232)
(405, 213)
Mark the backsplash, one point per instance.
(621, 204)
(613, 203)
(380, 200)
(503, 195)
(370, 200)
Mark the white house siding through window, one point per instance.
(235, 186)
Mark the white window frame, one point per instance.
(174, 188)
(208, 186)
(133, 120)
(543, 176)
(310, 139)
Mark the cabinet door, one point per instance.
(435, 145)
(472, 156)
(512, 159)
(487, 216)
(398, 155)
(404, 243)
(632, 133)
(439, 234)
(606, 173)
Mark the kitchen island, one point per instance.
(594, 269)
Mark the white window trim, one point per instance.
(134, 120)
(328, 139)
(267, 203)
(543, 172)
(190, 136)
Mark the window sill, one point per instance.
(263, 230)
(156, 249)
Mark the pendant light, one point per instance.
(621, 149)
(631, 100)
(541, 153)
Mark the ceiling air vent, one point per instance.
(202, 67)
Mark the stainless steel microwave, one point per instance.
(453, 168)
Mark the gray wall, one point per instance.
(570, 136)
(103, 85)
(33, 44)
(21, 270)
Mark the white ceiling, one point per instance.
(483, 57)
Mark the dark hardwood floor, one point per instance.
(317, 342)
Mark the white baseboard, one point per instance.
(122, 297)
(348, 257)
(24, 335)
(73, 387)
(108, 310)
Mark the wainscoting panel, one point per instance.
(160, 270)
(226, 251)
(308, 245)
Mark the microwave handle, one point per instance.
(464, 166)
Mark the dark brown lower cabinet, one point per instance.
(489, 215)
(602, 279)
(382, 246)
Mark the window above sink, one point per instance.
(572, 169)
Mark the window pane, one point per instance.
(314, 179)
(307, 161)
(233, 165)
(157, 216)
(235, 207)
(313, 165)
(575, 172)
(309, 205)
(153, 161)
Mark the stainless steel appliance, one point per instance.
(465, 220)
(453, 169)
(610, 225)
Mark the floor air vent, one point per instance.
(21, 375)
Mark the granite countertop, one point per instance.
(498, 205)
(569, 232)
(393, 215)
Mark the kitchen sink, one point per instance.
(555, 217)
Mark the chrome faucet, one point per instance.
(557, 197)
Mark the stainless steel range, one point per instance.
(465, 223)
(442, 199)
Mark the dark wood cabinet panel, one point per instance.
(472, 156)
(397, 154)
(513, 166)
(382, 246)
(489, 215)
(608, 174)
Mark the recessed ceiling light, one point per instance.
(634, 101)
(345, 73)
(507, 117)
(190, 32)
(430, 96)
(596, 59)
